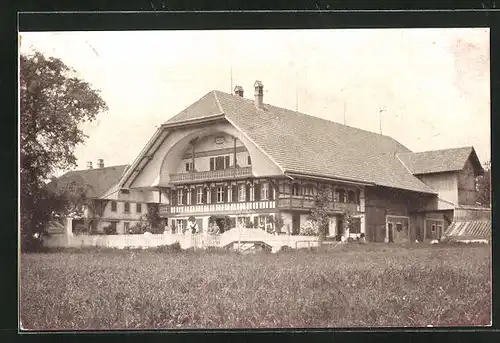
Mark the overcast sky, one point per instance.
(433, 83)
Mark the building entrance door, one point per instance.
(295, 223)
(391, 233)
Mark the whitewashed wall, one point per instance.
(186, 241)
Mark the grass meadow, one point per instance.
(375, 285)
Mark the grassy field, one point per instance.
(353, 286)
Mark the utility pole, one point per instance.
(380, 118)
(296, 91)
(231, 79)
(344, 115)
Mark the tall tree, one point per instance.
(53, 102)
(484, 186)
(319, 213)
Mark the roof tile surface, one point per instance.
(301, 143)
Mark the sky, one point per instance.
(427, 88)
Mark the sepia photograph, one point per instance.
(254, 179)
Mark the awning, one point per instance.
(469, 229)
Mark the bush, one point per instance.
(175, 247)
(309, 229)
(80, 229)
(109, 230)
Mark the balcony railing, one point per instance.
(249, 206)
(240, 207)
(211, 175)
(309, 203)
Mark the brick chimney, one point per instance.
(89, 165)
(238, 90)
(259, 94)
(100, 163)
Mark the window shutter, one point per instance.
(204, 196)
(256, 192)
(174, 197)
(184, 196)
(227, 162)
(212, 167)
(193, 196)
(235, 193)
(226, 194)
(271, 192)
(247, 188)
(213, 199)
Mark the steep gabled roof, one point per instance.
(95, 181)
(303, 144)
(439, 161)
(205, 106)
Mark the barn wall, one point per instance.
(382, 202)
(444, 183)
(467, 194)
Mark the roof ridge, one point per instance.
(438, 150)
(217, 101)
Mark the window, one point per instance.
(220, 194)
(285, 188)
(126, 208)
(188, 200)
(252, 192)
(180, 195)
(341, 195)
(351, 196)
(209, 197)
(113, 206)
(138, 208)
(295, 189)
(126, 227)
(330, 194)
(433, 227)
(189, 166)
(219, 163)
(336, 197)
(242, 193)
(356, 225)
(308, 191)
(399, 227)
(264, 191)
(249, 160)
(180, 225)
(199, 196)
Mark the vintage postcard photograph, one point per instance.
(229, 179)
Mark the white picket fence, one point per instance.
(186, 241)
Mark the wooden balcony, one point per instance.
(298, 203)
(211, 175)
(239, 207)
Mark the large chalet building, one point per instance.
(227, 155)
